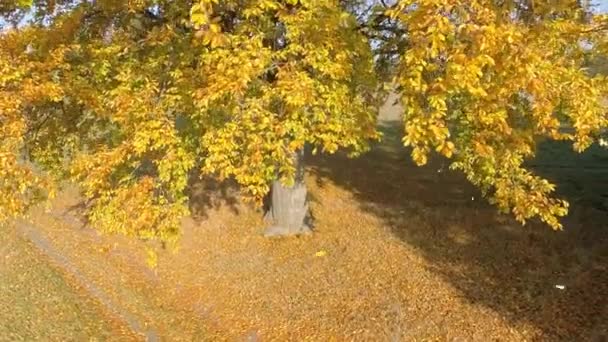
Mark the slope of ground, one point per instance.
(400, 253)
(36, 302)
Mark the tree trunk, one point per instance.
(288, 213)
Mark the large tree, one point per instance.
(129, 99)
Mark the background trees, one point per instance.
(130, 99)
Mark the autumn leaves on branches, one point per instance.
(131, 99)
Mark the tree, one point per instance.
(130, 99)
(484, 81)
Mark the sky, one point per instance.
(602, 5)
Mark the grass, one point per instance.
(37, 304)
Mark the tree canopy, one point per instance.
(129, 99)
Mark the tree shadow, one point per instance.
(493, 261)
(207, 193)
(75, 214)
(204, 194)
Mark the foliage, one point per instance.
(132, 98)
(484, 81)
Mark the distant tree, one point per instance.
(129, 98)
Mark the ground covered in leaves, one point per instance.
(38, 302)
(399, 253)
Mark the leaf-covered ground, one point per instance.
(38, 304)
(399, 253)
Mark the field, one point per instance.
(38, 304)
(400, 253)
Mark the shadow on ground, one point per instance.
(207, 194)
(493, 261)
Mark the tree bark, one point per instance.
(288, 213)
